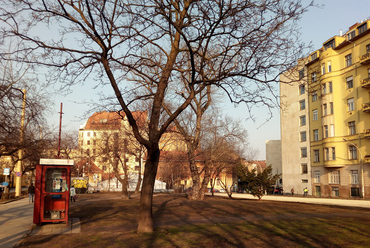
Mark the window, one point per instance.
(316, 155)
(316, 134)
(362, 28)
(330, 87)
(335, 191)
(317, 176)
(351, 35)
(332, 133)
(104, 167)
(329, 66)
(334, 177)
(323, 68)
(350, 82)
(313, 77)
(94, 134)
(351, 128)
(326, 154)
(325, 109)
(88, 142)
(352, 152)
(368, 48)
(304, 180)
(351, 104)
(302, 120)
(94, 142)
(304, 169)
(88, 134)
(303, 152)
(329, 44)
(314, 56)
(323, 89)
(314, 96)
(331, 108)
(303, 136)
(333, 157)
(88, 152)
(348, 60)
(302, 104)
(326, 131)
(94, 151)
(354, 176)
(301, 89)
(301, 74)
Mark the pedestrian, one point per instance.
(292, 191)
(73, 194)
(31, 193)
(305, 191)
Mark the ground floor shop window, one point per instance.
(355, 192)
(335, 191)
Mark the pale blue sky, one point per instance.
(317, 26)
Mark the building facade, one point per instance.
(338, 115)
(273, 158)
(295, 134)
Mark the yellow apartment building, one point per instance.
(338, 89)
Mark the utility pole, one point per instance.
(60, 128)
(18, 169)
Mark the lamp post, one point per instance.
(362, 168)
(18, 169)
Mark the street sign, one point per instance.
(5, 183)
(6, 172)
(46, 161)
(18, 174)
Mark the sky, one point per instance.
(317, 26)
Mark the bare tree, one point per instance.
(142, 47)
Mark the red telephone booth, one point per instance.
(53, 181)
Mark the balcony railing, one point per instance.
(367, 133)
(365, 83)
(365, 59)
(366, 107)
(367, 159)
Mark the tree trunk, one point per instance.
(196, 193)
(138, 185)
(146, 199)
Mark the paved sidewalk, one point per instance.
(16, 222)
(311, 200)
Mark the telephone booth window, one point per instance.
(56, 180)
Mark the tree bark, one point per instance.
(146, 199)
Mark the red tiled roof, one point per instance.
(112, 120)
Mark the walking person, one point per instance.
(292, 191)
(305, 191)
(31, 193)
(73, 194)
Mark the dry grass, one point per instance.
(108, 221)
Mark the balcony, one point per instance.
(365, 83)
(367, 159)
(366, 107)
(365, 59)
(367, 133)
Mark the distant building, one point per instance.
(273, 158)
(336, 111)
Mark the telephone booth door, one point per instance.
(52, 191)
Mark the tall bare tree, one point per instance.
(142, 47)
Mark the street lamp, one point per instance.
(362, 167)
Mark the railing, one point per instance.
(367, 133)
(365, 83)
(367, 159)
(364, 59)
(366, 107)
